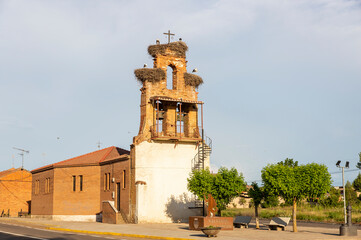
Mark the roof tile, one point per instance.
(90, 158)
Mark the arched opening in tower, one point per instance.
(171, 77)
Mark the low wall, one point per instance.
(198, 222)
(110, 214)
(75, 218)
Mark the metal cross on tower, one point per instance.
(169, 34)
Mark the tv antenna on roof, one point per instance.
(99, 143)
(22, 155)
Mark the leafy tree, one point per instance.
(223, 186)
(333, 199)
(288, 162)
(270, 201)
(200, 183)
(351, 195)
(257, 196)
(358, 165)
(295, 183)
(227, 185)
(357, 182)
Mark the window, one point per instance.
(106, 181)
(124, 178)
(74, 183)
(80, 182)
(37, 187)
(47, 185)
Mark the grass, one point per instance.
(305, 212)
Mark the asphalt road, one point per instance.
(16, 232)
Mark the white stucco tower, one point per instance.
(169, 143)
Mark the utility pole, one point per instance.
(346, 229)
(343, 185)
(22, 152)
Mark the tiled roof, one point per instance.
(89, 158)
(9, 171)
(6, 172)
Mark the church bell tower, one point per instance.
(170, 138)
(168, 112)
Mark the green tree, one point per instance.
(227, 185)
(351, 195)
(270, 201)
(224, 186)
(295, 183)
(257, 195)
(358, 165)
(200, 183)
(288, 162)
(332, 199)
(357, 182)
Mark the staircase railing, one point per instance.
(204, 152)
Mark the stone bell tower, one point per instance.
(170, 137)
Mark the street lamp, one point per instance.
(343, 185)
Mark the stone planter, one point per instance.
(211, 232)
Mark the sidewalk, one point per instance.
(171, 231)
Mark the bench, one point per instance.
(241, 221)
(22, 214)
(278, 223)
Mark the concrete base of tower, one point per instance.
(163, 168)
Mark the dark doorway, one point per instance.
(118, 196)
(29, 206)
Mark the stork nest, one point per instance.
(178, 48)
(192, 79)
(149, 74)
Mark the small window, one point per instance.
(37, 185)
(80, 182)
(108, 181)
(74, 183)
(124, 178)
(47, 185)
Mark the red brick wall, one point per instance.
(15, 191)
(42, 203)
(69, 202)
(108, 214)
(116, 171)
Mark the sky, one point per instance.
(282, 79)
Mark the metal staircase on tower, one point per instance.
(204, 152)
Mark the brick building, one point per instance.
(15, 191)
(75, 189)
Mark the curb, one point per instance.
(117, 234)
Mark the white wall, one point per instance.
(165, 168)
